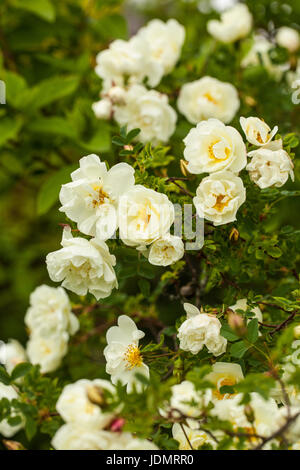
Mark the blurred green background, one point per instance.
(47, 56)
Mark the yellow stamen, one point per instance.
(133, 357)
(210, 98)
(220, 203)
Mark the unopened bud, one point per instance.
(297, 331)
(234, 235)
(13, 445)
(95, 395)
(117, 94)
(249, 413)
(128, 147)
(183, 167)
(237, 323)
(117, 424)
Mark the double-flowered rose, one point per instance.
(144, 216)
(6, 429)
(235, 23)
(47, 351)
(166, 250)
(83, 266)
(123, 355)
(219, 196)
(212, 146)
(199, 330)
(257, 131)
(149, 111)
(165, 41)
(12, 353)
(91, 199)
(208, 98)
(50, 312)
(270, 165)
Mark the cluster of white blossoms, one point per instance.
(125, 65)
(50, 323)
(101, 202)
(88, 426)
(199, 330)
(270, 164)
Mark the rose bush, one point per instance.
(158, 143)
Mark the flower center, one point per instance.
(101, 196)
(210, 98)
(220, 203)
(133, 357)
(212, 155)
(220, 384)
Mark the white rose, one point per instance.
(102, 109)
(259, 53)
(74, 436)
(50, 312)
(221, 5)
(47, 352)
(257, 131)
(11, 354)
(165, 41)
(219, 197)
(191, 439)
(224, 373)
(208, 98)
(91, 199)
(144, 216)
(7, 391)
(235, 23)
(184, 394)
(212, 146)
(122, 353)
(288, 38)
(199, 330)
(117, 94)
(149, 111)
(270, 167)
(74, 404)
(241, 304)
(83, 266)
(166, 250)
(125, 59)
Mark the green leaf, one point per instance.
(48, 91)
(144, 286)
(100, 142)
(30, 427)
(49, 191)
(42, 8)
(228, 333)
(54, 126)
(238, 349)
(252, 330)
(15, 86)
(4, 376)
(20, 370)
(9, 129)
(274, 251)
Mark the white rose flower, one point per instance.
(288, 38)
(208, 98)
(126, 59)
(270, 166)
(117, 94)
(187, 400)
(257, 131)
(103, 108)
(74, 404)
(47, 352)
(149, 111)
(75, 436)
(235, 23)
(50, 312)
(7, 391)
(166, 250)
(83, 266)
(259, 54)
(91, 199)
(191, 438)
(224, 373)
(122, 353)
(144, 216)
(11, 354)
(199, 330)
(165, 41)
(219, 197)
(212, 146)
